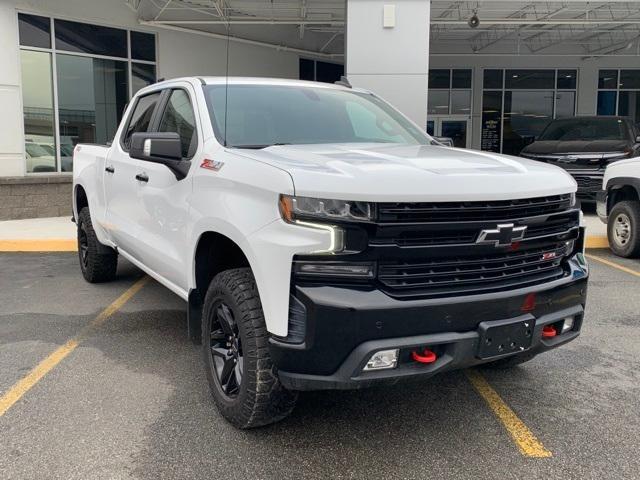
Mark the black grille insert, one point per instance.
(471, 211)
(472, 275)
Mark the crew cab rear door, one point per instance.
(123, 209)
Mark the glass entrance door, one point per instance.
(454, 128)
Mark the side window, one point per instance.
(140, 118)
(179, 117)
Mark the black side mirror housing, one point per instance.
(160, 147)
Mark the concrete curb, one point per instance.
(70, 245)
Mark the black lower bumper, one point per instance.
(345, 326)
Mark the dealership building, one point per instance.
(488, 74)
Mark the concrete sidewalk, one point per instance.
(55, 234)
(58, 234)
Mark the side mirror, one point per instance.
(160, 147)
(444, 141)
(638, 139)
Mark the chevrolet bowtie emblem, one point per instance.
(503, 236)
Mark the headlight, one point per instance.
(293, 208)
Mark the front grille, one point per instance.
(588, 183)
(466, 275)
(471, 211)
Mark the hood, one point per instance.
(375, 172)
(576, 146)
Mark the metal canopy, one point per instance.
(536, 28)
(316, 27)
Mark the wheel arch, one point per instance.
(621, 189)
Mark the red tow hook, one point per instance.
(427, 356)
(548, 331)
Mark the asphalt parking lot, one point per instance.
(132, 402)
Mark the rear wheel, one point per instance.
(97, 262)
(623, 229)
(243, 380)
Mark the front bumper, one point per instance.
(601, 205)
(345, 326)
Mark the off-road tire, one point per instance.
(630, 246)
(509, 362)
(260, 398)
(101, 262)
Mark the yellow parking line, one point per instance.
(45, 366)
(596, 241)
(526, 441)
(39, 245)
(612, 264)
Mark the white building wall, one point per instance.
(178, 54)
(587, 93)
(393, 62)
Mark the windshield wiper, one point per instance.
(260, 147)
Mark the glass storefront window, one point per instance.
(461, 78)
(143, 46)
(607, 102)
(93, 39)
(461, 102)
(439, 78)
(438, 102)
(492, 79)
(526, 113)
(92, 94)
(530, 79)
(608, 79)
(629, 105)
(92, 89)
(35, 31)
(565, 104)
(142, 74)
(37, 100)
(567, 79)
(630, 79)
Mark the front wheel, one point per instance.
(243, 380)
(623, 229)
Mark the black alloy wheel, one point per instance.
(226, 350)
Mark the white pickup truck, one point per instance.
(323, 241)
(618, 205)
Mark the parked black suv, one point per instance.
(584, 146)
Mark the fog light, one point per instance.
(567, 325)
(382, 359)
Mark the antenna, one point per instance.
(226, 85)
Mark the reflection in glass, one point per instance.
(607, 102)
(143, 46)
(461, 102)
(565, 104)
(92, 94)
(457, 131)
(530, 79)
(630, 79)
(438, 102)
(142, 75)
(37, 99)
(87, 38)
(630, 105)
(439, 78)
(608, 79)
(35, 31)
(526, 113)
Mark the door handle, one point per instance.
(142, 177)
(110, 169)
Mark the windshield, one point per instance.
(263, 115)
(35, 150)
(586, 129)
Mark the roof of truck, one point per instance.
(256, 81)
